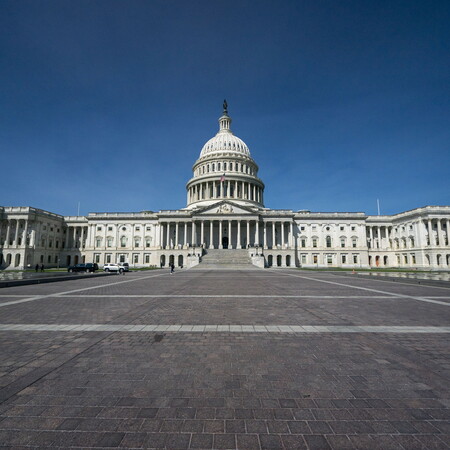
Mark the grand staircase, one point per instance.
(229, 259)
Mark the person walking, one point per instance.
(36, 268)
(42, 267)
(172, 268)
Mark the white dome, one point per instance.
(225, 141)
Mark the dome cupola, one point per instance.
(225, 170)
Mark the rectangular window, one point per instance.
(315, 259)
(138, 229)
(98, 242)
(303, 258)
(329, 259)
(342, 228)
(342, 243)
(355, 259)
(99, 228)
(135, 258)
(413, 258)
(353, 228)
(314, 242)
(97, 257)
(147, 258)
(109, 228)
(57, 244)
(344, 259)
(108, 258)
(354, 242)
(302, 228)
(303, 242)
(148, 228)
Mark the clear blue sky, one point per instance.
(110, 102)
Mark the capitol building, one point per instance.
(225, 220)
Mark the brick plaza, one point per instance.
(242, 359)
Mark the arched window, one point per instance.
(213, 167)
(328, 241)
(224, 166)
(123, 241)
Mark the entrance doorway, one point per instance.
(225, 242)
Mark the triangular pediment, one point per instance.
(225, 208)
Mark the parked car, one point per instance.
(113, 267)
(126, 267)
(88, 267)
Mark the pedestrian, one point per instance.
(37, 268)
(172, 267)
(42, 267)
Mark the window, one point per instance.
(99, 228)
(135, 258)
(314, 228)
(123, 241)
(303, 258)
(98, 242)
(148, 242)
(328, 241)
(353, 228)
(148, 228)
(50, 243)
(49, 259)
(329, 259)
(413, 258)
(57, 244)
(302, 228)
(147, 258)
(97, 258)
(108, 258)
(138, 229)
(355, 259)
(136, 242)
(303, 242)
(342, 242)
(314, 242)
(124, 228)
(354, 242)
(51, 229)
(109, 242)
(341, 228)
(344, 259)
(315, 259)
(109, 228)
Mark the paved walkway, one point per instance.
(217, 359)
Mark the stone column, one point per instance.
(16, 233)
(447, 230)
(257, 233)
(193, 234)
(168, 235)
(238, 243)
(25, 234)
(282, 234)
(291, 235)
(202, 232)
(274, 245)
(176, 233)
(265, 234)
(8, 232)
(229, 235)
(211, 235)
(248, 233)
(430, 234)
(440, 235)
(74, 237)
(371, 237)
(220, 234)
(185, 234)
(82, 238)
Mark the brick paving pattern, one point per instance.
(220, 384)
